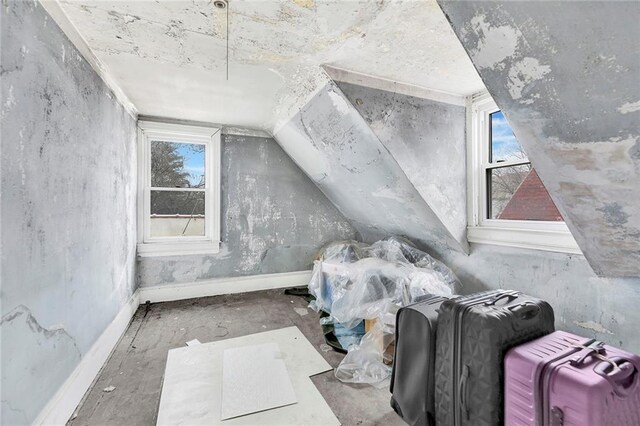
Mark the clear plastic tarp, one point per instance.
(354, 281)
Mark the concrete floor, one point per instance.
(136, 367)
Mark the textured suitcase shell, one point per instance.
(545, 385)
(412, 377)
(474, 333)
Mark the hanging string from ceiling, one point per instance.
(224, 4)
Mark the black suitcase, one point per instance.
(474, 333)
(412, 376)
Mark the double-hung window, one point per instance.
(508, 203)
(178, 189)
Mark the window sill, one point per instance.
(537, 239)
(177, 249)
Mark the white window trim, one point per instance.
(537, 235)
(172, 246)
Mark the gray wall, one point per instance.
(67, 209)
(274, 219)
(421, 135)
(337, 149)
(566, 76)
(583, 303)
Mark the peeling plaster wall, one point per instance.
(603, 308)
(422, 135)
(566, 76)
(274, 219)
(67, 209)
(584, 304)
(337, 149)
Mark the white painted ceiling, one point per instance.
(169, 56)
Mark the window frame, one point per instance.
(178, 133)
(531, 234)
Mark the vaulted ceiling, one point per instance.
(169, 57)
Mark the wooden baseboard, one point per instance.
(219, 286)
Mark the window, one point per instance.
(179, 189)
(508, 203)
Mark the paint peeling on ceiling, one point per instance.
(169, 57)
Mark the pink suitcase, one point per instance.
(568, 380)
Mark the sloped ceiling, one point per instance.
(427, 140)
(335, 146)
(567, 76)
(169, 57)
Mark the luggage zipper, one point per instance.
(458, 391)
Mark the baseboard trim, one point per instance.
(219, 286)
(63, 404)
(61, 407)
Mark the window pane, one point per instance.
(177, 213)
(504, 146)
(517, 193)
(177, 165)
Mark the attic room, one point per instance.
(317, 212)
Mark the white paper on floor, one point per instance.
(254, 378)
(192, 388)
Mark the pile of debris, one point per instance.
(360, 287)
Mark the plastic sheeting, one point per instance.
(364, 362)
(354, 281)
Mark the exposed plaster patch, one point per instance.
(389, 193)
(629, 107)
(593, 326)
(33, 324)
(576, 162)
(495, 44)
(31, 349)
(614, 214)
(523, 74)
(339, 101)
(309, 4)
(9, 102)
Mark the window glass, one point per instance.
(177, 213)
(530, 200)
(177, 165)
(502, 184)
(504, 146)
(514, 192)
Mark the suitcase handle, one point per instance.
(621, 374)
(594, 348)
(462, 391)
(510, 294)
(525, 311)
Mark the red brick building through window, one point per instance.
(531, 201)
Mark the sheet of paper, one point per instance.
(254, 378)
(192, 387)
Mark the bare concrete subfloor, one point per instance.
(136, 366)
